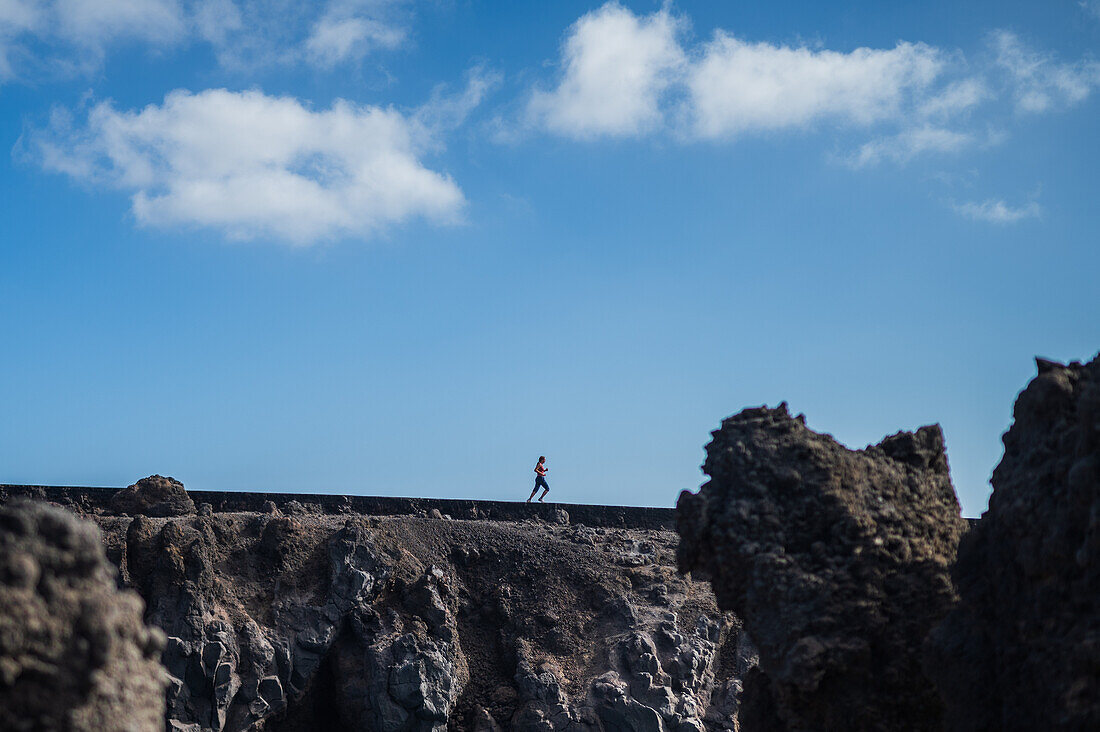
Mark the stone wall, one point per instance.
(633, 517)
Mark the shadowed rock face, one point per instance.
(153, 496)
(1022, 650)
(74, 652)
(837, 562)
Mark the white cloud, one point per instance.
(63, 37)
(344, 33)
(251, 165)
(956, 98)
(627, 74)
(996, 211)
(445, 110)
(45, 37)
(20, 15)
(216, 20)
(16, 17)
(910, 143)
(1039, 81)
(1092, 7)
(261, 33)
(91, 24)
(740, 87)
(249, 34)
(616, 66)
(97, 22)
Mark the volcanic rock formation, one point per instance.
(343, 622)
(837, 562)
(74, 652)
(154, 496)
(1022, 650)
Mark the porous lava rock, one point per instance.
(153, 496)
(836, 561)
(74, 652)
(1022, 649)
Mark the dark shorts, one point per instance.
(540, 482)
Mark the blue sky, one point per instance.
(404, 248)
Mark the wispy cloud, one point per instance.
(43, 37)
(448, 109)
(908, 144)
(97, 22)
(1039, 81)
(251, 165)
(336, 39)
(956, 98)
(324, 34)
(258, 33)
(996, 211)
(64, 37)
(217, 20)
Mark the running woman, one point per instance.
(540, 479)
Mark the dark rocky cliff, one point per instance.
(1021, 651)
(838, 562)
(302, 613)
(873, 608)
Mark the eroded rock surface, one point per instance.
(312, 621)
(837, 562)
(1022, 650)
(153, 496)
(74, 652)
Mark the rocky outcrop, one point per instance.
(658, 679)
(312, 621)
(1022, 650)
(399, 663)
(231, 670)
(153, 496)
(837, 562)
(74, 652)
